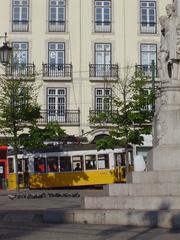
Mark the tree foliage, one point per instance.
(132, 114)
(37, 137)
(18, 107)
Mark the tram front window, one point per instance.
(90, 161)
(39, 165)
(52, 164)
(77, 163)
(103, 161)
(65, 164)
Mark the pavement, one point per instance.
(22, 218)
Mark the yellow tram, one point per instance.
(69, 166)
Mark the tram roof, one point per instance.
(62, 148)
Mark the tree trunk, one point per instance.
(16, 165)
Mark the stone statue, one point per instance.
(163, 51)
(171, 37)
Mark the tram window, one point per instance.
(77, 163)
(90, 161)
(3, 154)
(20, 165)
(39, 165)
(11, 165)
(120, 159)
(65, 164)
(103, 161)
(52, 164)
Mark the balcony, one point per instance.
(101, 116)
(57, 26)
(20, 26)
(100, 26)
(148, 27)
(57, 71)
(20, 70)
(66, 117)
(145, 70)
(103, 72)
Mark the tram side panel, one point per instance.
(53, 170)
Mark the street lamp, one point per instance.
(5, 52)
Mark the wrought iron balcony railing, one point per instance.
(71, 117)
(100, 26)
(20, 70)
(57, 70)
(57, 26)
(145, 70)
(20, 26)
(104, 70)
(148, 27)
(101, 116)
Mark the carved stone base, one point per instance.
(166, 137)
(165, 157)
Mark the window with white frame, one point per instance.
(148, 22)
(56, 53)
(20, 53)
(20, 15)
(57, 15)
(103, 59)
(103, 98)
(57, 98)
(102, 16)
(148, 53)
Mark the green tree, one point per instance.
(18, 111)
(133, 113)
(36, 137)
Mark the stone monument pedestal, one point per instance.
(150, 198)
(165, 154)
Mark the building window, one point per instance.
(57, 15)
(103, 98)
(103, 60)
(148, 53)
(20, 52)
(57, 98)
(102, 16)
(56, 53)
(103, 53)
(20, 61)
(103, 67)
(20, 15)
(148, 22)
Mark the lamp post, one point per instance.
(5, 51)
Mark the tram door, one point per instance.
(120, 167)
(2, 172)
(22, 165)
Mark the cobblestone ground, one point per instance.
(82, 232)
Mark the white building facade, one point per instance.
(79, 49)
